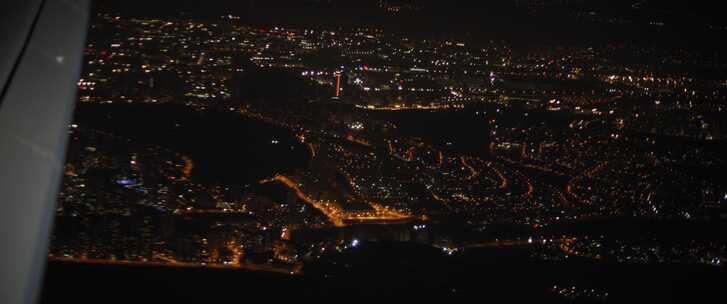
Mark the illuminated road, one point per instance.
(335, 214)
(589, 173)
(402, 107)
(528, 182)
(172, 263)
(531, 166)
(473, 171)
(327, 208)
(312, 150)
(191, 211)
(504, 182)
(381, 212)
(520, 242)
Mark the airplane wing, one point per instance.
(41, 48)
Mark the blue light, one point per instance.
(126, 182)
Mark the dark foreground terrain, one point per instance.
(383, 271)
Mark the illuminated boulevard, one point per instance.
(172, 263)
(334, 213)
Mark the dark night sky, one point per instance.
(698, 8)
(687, 20)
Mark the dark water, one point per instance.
(467, 131)
(460, 131)
(385, 270)
(509, 275)
(226, 148)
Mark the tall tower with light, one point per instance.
(338, 85)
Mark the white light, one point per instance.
(354, 243)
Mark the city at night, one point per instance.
(512, 151)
